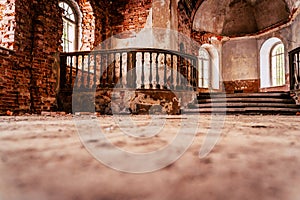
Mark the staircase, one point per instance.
(244, 103)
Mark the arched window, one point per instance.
(70, 28)
(277, 65)
(204, 68)
(272, 63)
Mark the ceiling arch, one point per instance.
(240, 17)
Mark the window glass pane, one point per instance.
(204, 69)
(277, 65)
(71, 17)
(68, 11)
(206, 73)
(69, 28)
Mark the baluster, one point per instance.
(107, 70)
(165, 71)
(95, 72)
(189, 74)
(143, 71)
(114, 79)
(63, 66)
(82, 72)
(70, 73)
(150, 75)
(121, 68)
(134, 69)
(88, 75)
(178, 72)
(131, 70)
(195, 64)
(183, 72)
(101, 70)
(192, 73)
(128, 74)
(190, 82)
(172, 73)
(77, 69)
(157, 75)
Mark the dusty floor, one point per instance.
(256, 157)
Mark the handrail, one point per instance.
(294, 62)
(154, 50)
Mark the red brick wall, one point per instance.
(28, 78)
(115, 17)
(245, 86)
(185, 28)
(29, 73)
(87, 25)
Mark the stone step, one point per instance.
(282, 95)
(237, 99)
(243, 105)
(254, 110)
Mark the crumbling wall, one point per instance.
(185, 28)
(30, 69)
(119, 101)
(121, 18)
(87, 25)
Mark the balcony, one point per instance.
(135, 80)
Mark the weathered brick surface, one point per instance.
(87, 25)
(184, 27)
(116, 17)
(33, 29)
(30, 80)
(242, 86)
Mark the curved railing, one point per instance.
(294, 57)
(144, 68)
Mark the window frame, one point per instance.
(201, 61)
(278, 69)
(67, 21)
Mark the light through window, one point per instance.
(204, 65)
(69, 28)
(277, 65)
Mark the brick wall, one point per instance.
(184, 27)
(29, 74)
(87, 25)
(30, 71)
(242, 86)
(116, 17)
